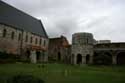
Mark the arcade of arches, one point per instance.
(80, 59)
(106, 58)
(109, 58)
(35, 56)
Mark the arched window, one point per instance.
(31, 39)
(36, 41)
(19, 37)
(4, 32)
(26, 40)
(12, 35)
(40, 41)
(44, 42)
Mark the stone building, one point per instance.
(103, 41)
(115, 52)
(22, 34)
(59, 49)
(84, 50)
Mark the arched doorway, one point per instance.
(59, 56)
(121, 58)
(28, 54)
(87, 58)
(79, 58)
(107, 58)
(102, 58)
(38, 55)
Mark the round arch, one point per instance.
(79, 58)
(103, 58)
(121, 58)
(38, 54)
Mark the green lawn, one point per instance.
(61, 73)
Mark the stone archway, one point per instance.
(87, 59)
(59, 56)
(38, 55)
(103, 58)
(28, 53)
(79, 58)
(121, 58)
(108, 58)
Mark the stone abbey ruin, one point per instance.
(25, 36)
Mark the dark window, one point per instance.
(87, 41)
(31, 39)
(12, 35)
(44, 43)
(36, 41)
(4, 32)
(40, 41)
(19, 37)
(26, 40)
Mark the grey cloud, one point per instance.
(104, 18)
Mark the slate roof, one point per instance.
(20, 20)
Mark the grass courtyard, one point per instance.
(62, 73)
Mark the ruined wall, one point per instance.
(58, 49)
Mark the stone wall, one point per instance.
(19, 44)
(7, 43)
(82, 47)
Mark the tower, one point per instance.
(82, 48)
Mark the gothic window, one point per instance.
(44, 43)
(26, 39)
(19, 37)
(4, 32)
(12, 35)
(31, 39)
(36, 41)
(40, 41)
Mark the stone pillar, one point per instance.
(72, 59)
(75, 59)
(114, 59)
(83, 59)
(33, 57)
(45, 56)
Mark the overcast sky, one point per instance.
(104, 18)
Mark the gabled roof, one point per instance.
(20, 20)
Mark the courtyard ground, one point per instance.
(62, 73)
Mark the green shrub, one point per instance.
(8, 58)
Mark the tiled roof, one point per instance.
(20, 20)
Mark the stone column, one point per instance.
(83, 59)
(45, 56)
(33, 57)
(114, 59)
(72, 59)
(75, 59)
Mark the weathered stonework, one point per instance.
(59, 49)
(20, 47)
(82, 47)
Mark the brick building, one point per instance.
(59, 49)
